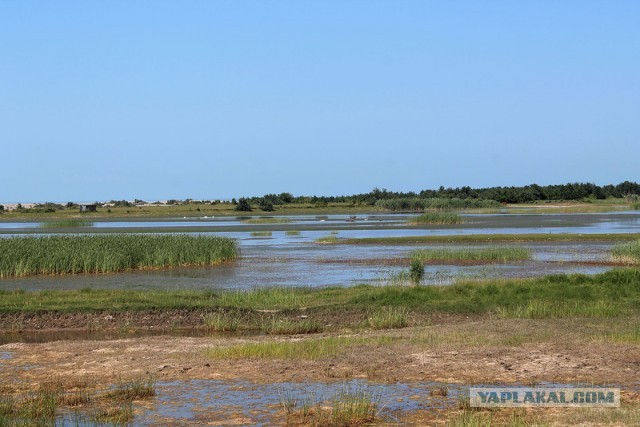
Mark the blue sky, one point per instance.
(221, 99)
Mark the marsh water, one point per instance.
(218, 402)
(283, 259)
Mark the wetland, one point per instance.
(290, 331)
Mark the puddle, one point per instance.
(217, 402)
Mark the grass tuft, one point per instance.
(261, 234)
(288, 327)
(136, 389)
(388, 318)
(348, 407)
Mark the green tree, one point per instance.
(243, 205)
(266, 205)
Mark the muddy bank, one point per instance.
(470, 352)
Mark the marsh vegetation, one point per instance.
(484, 254)
(73, 254)
(437, 218)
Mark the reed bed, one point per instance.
(292, 233)
(67, 223)
(26, 256)
(490, 254)
(417, 204)
(438, 218)
(628, 253)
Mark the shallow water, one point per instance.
(312, 265)
(285, 260)
(217, 402)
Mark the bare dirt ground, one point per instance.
(475, 351)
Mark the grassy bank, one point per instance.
(490, 254)
(25, 256)
(604, 295)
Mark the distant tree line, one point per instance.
(458, 197)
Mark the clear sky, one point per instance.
(105, 100)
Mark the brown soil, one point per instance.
(455, 350)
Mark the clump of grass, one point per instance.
(261, 234)
(349, 407)
(136, 389)
(67, 223)
(489, 254)
(25, 256)
(221, 322)
(438, 218)
(292, 233)
(546, 309)
(628, 253)
(40, 406)
(288, 327)
(121, 414)
(327, 239)
(307, 349)
(388, 318)
(439, 391)
(266, 220)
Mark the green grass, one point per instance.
(635, 205)
(388, 318)
(628, 335)
(493, 238)
(267, 220)
(552, 309)
(261, 234)
(307, 349)
(613, 293)
(352, 406)
(437, 218)
(276, 326)
(418, 204)
(67, 223)
(328, 239)
(292, 233)
(628, 253)
(136, 389)
(72, 254)
(222, 322)
(488, 254)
